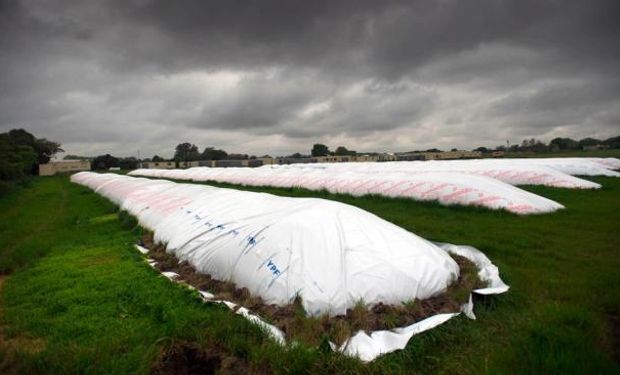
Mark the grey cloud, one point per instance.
(556, 104)
(261, 102)
(380, 38)
(126, 72)
(301, 106)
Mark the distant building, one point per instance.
(189, 164)
(342, 158)
(159, 165)
(231, 163)
(442, 155)
(411, 156)
(595, 147)
(64, 166)
(227, 163)
(266, 161)
(287, 160)
(448, 155)
(387, 157)
(235, 163)
(257, 162)
(333, 159)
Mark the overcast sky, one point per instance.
(277, 76)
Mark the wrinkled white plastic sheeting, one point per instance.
(609, 163)
(557, 172)
(368, 346)
(576, 166)
(446, 188)
(517, 172)
(487, 271)
(329, 253)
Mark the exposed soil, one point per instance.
(292, 319)
(184, 358)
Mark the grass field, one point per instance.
(612, 153)
(76, 297)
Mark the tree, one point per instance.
(21, 153)
(104, 162)
(186, 152)
(211, 153)
(613, 142)
(589, 142)
(21, 137)
(45, 149)
(16, 161)
(128, 163)
(527, 143)
(25, 156)
(319, 150)
(539, 146)
(157, 158)
(341, 150)
(564, 144)
(482, 149)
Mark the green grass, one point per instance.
(613, 153)
(80, 299)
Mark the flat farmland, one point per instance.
(77, 297)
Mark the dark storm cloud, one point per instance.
(575, 104)
(392, 37)
(273, 76)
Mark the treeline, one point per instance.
(557, 144)
(21, 153)
(527, 145)
(107, 161)
(186, 152)
(190, 152)
(319, 149)
(182, 152)
(571, 144)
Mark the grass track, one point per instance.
(79, 298)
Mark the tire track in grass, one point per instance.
(12, 347)
(15, 347)
(42, 224)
